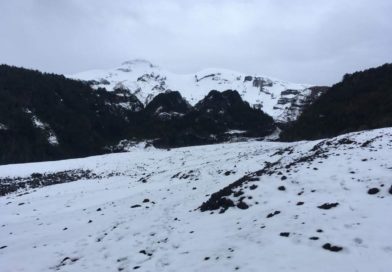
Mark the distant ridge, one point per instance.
(282, 100)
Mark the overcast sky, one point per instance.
(304, 41)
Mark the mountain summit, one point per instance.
(282, 100)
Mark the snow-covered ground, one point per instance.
(142, 211)
(281, 100)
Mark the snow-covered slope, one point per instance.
(301, 206)
(282, 100)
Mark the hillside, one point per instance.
(279, 99)
(47, 117)
(362, 100)
(303, 206)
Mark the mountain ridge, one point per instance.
(280, 99)
(48, 117)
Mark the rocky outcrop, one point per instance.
(168, 105)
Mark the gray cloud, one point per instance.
(296, 40)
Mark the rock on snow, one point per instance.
(141, 210)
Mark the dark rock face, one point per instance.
(285, 100)
(248, 78)
(361, 101)
(332, 248)
(261, 83)
(373, 191)
(168, 102)
(222, 202)
(212, 117)
(273, 214)
(217, 101)
(327, 206)
(221, 111)
(242, 205)
(124, 98)
(289, 92)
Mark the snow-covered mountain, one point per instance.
(305, 206)
(281, 100)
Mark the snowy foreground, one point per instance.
(309, 209)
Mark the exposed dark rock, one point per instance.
(36, 180)
(228, 173)
(285, 234)
(238, 193)
(36, 175)
(289, 92)
(346, 141)
(204, 77)
(327, 206)
(65, 261)
(217, 203)
(285, 100)
(248, 78)
(219, 199)
(373, 191)
(211, 118)
(242, 205)
(261, 83)
(273, 214)
(332, 248)
(171, 103)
